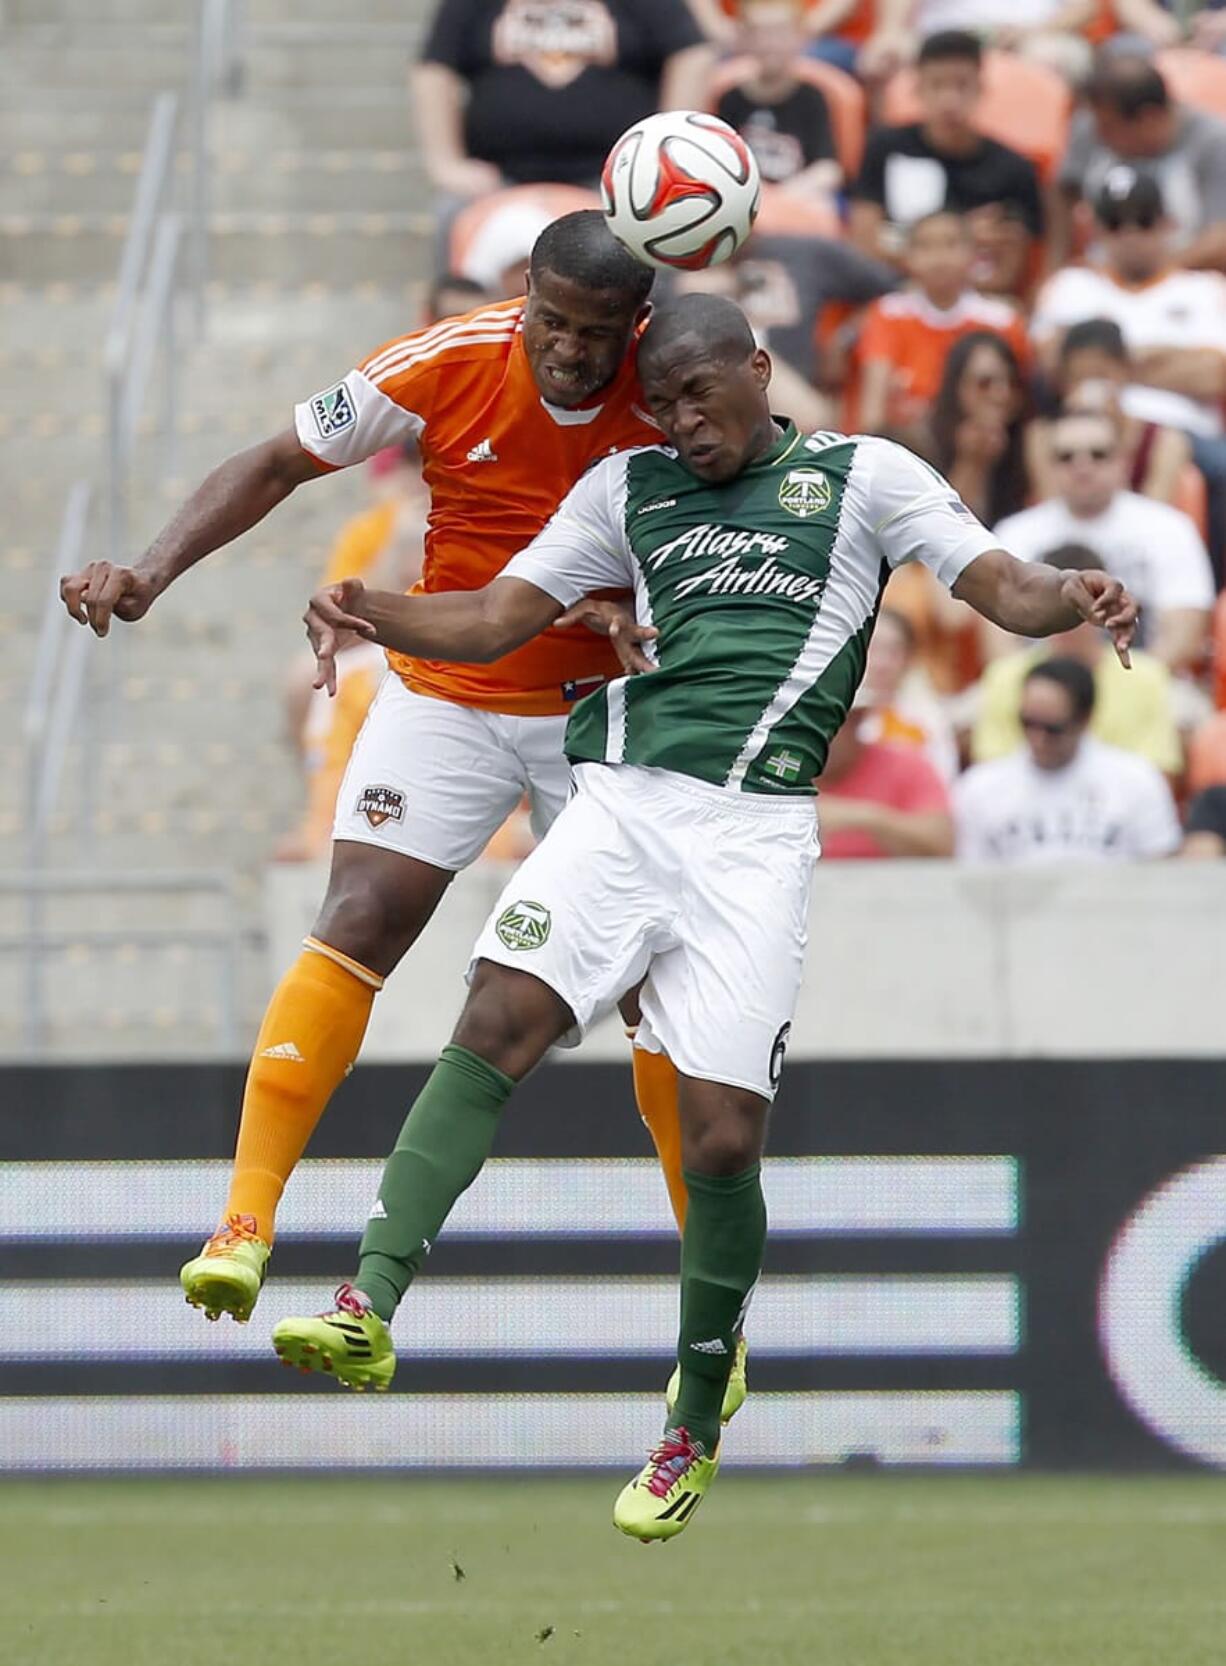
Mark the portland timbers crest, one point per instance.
(805, 492)
(525, 925)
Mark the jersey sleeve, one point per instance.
(915, 514)
(584, 547)
(385, 401)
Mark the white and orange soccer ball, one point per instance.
(681, 190)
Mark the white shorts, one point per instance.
(436, 781)
(704, 891)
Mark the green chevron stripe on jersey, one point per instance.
(763, 591)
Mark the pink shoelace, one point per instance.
(349, 1300)
(670, 1460)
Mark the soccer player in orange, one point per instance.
(509, 405)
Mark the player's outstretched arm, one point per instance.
(469, 627)
(228, 502)
(1031, 599)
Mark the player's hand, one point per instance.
(331, 612)
(1103, 601)
(616, 620)
(101, 592)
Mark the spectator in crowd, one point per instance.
(907, 336)
(877, 800)
(1132, 708)
(1063, 796)
(1132, 120)
(1173, 322)
(941, 161)
(1207, 754)
(1205, 830)
(1093, 374)
(783, 119)
(1149, 21)
(519, 91)
(978, 425)
(1045, 30)
(1154, 548)
(904, 710)
(450, 295)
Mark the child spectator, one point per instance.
(1093, 374)
(782, 118)
(941, 161)
(1132, 708)
(905, 711)
(907, 336)
(1063, 796)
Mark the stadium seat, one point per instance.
(844, 98)
(1192, 496)
(1207, 755)
(1195, 78)
(1218, 651)
(1024, 105)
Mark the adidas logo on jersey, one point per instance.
(714, 1346)
(660, 503)
(378, 1213)
(483, 453)
(283, 1050)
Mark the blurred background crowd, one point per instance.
(995, 233)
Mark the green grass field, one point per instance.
(800, 1571)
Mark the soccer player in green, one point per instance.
(757, 555)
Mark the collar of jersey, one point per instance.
(787, 442)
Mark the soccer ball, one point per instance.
(681, 190)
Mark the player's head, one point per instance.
(705, 380)
(939, 256)
(586, 297)
(948, 82)
(1057, 704)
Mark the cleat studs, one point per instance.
(309, 1348)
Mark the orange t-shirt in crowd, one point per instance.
(915, 337)
(497, 459)
(360, 543)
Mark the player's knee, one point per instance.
(372, 915)
(510, 1019)
(727, 1142)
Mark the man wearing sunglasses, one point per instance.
(1063, 796)
(1154, 548)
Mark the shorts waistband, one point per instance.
(793, 808)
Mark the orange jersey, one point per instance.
(915, 337)
(498, 459)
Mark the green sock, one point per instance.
(721, 1257)
(445, 1140)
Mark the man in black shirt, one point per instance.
(529, 91)
(943, 161)
(782, 117)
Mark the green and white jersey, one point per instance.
(764, 591)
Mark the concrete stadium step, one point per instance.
(281, 181)
(330, 248)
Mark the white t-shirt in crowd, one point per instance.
(1153, 548)
(1106, 806)
(1181, 309)
(974, 15)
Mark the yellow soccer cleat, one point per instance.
(351, 1343)
(668, 1489)
(227, 1275)
(736, 1393)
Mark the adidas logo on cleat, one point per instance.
(714, 1346)
(283, 1050)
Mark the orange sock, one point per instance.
(311, 1034)
(655, 1089)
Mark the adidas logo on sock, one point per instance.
(378, 1213)
(714, 1346)
(283, 1050)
